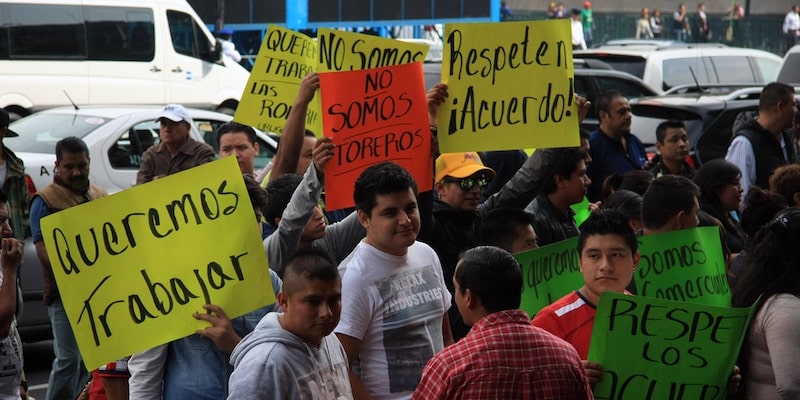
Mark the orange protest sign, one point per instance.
(375, 115)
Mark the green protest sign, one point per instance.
(659, 349)
(582, 211)
(685, 265)
(548, 273)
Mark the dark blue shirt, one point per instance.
(609, 158)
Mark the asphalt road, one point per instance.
(38, 360)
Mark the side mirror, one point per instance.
(214, 52)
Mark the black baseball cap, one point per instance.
(4, 121)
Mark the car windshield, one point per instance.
(40, 132)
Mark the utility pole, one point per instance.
(220, 15)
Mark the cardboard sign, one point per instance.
(685, 265)
(548, 273)
(286, 56)
(510, 86)
(133, 267)
(658, 349)
(373, 116)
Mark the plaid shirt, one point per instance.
(504, 357)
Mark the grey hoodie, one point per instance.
(273, 363)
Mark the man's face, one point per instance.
(460, 301)
(525, 240)
(306, 154)
(312, 311)
(238, 144)
(676, 145)
(5, 223)
(787, 110)
(73, 169)
(315, 227)
(617, 121)
(607, 264)
(576, 186)
(451, 191)
(173, 133)
(394, 223)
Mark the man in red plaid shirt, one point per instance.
(503, 355)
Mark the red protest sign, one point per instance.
(374, 115)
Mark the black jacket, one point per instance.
(550, 224)
(767, 151)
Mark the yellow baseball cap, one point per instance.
(460, 165)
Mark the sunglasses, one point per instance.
(467, 184)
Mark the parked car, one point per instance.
(592, 78)
(790, 67)
(116, 136)
(708, 118)
(664, 65)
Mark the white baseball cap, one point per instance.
(175, 113)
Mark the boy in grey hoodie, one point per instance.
(294, 355)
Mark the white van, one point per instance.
(56, 52)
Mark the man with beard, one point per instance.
(614, 149)
(70, 188)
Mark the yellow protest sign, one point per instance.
(133, 267)
(284, 58)
(349, 51)
(510, 86)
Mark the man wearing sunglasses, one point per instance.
(460, 178)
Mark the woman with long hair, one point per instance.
(770, 356)
(720, 195)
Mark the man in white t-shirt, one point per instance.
(394, 300)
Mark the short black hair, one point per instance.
(381, 179)
(661, 130)
(636, 180)
(760, 206)
(565, 162)
(667, 195)
(307, 265)
(774, 93)
(3, 196)
(72, 145)
(626, 202)
(493, 274)
(279, 193)
(605, 100)
(235, 127)
(498, 227)
(607, 222)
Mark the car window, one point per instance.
(584, 88)
(126, 152)
(187, 36)
(733, 69)
(790, 70)
(39, 133)
(769, 68)
(629, 89)
(630, 64)
(265, 155)
(678, 71)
